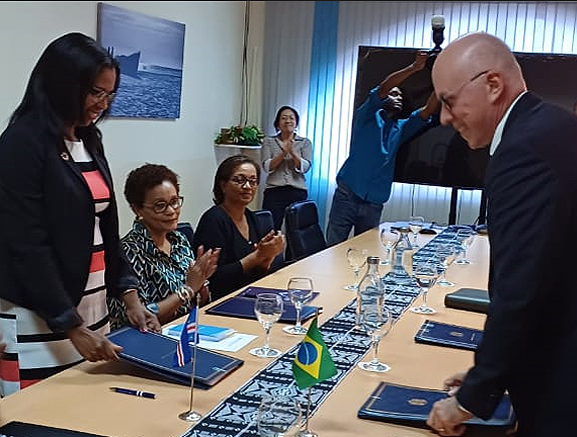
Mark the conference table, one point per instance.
(79, 398)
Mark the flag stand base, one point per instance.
(190, 416)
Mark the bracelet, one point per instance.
(185, 294)
(152, 307)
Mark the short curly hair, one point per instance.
(143, 179)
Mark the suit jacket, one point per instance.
(529, 346)
(47, 225)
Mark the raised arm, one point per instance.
(398, 77)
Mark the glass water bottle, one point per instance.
(371, 289)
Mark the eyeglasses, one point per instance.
(449, 102)
(100, 95)
(161, 207)
(242, 180)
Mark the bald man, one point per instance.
(529, 346)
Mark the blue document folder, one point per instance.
(411, 406)
(243, 307)
(23, 429)
(253, 291)
(155, 352)
(444, 334)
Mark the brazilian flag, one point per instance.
(313, 363)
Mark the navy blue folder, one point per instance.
(444, 334)
(253, 291)
(411, 406)
(243, 307)
(155, 352)
(22, 429)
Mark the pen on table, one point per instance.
(128, 391)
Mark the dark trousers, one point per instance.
(276, 199)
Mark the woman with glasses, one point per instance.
(160, 255)
(60, 252)
(286, 157)
(247, 251)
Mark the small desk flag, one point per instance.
(189, 334)
(313, 362)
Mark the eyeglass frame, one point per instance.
(177, 201)
(242, 180)
(100, 95)
(455, 95)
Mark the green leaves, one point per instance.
(247, 135)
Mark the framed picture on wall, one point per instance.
(150, 51)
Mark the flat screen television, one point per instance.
(440, 156)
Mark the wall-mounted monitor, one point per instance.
(440, 156)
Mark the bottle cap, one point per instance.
(373, 260)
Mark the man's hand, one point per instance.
(420, 60)
(447, 419)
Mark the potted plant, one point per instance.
(249, 135)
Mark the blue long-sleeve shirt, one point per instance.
(369, 169)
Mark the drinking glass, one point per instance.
(426, 276)
(268, 308)
(278, 416)
(357, 259)
(376, 321)
(446, 255)
(388, 238)
(300, 291)
(416, 223)
(465, 238)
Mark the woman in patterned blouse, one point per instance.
(161, 256)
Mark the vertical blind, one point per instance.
(310, 61)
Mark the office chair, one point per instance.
(187, 230)
(265, 223)
(303, 232)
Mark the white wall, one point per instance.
(211, 88)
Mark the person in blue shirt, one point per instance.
(365, 179)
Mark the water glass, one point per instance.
(278, 416)
(300, 291)
(268, 308)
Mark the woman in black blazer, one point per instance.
(59, 246)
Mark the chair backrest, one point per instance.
(303, 231)
(265, 224)
(264, 220)
(187, 230)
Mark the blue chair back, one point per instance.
(303, 231)
(187, 229)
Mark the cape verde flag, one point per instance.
(189, 334)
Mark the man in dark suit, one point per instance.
(529, 346)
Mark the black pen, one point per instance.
(128, 391)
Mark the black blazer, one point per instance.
(47, 225)
(529, 346)
(216, 229)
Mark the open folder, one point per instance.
(155, 352)
(411, 406)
